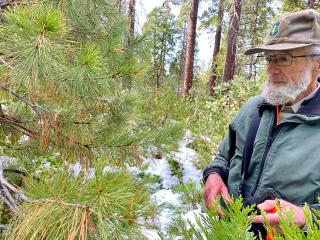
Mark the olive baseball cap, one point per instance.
(292, 30)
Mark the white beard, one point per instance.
(287, 93)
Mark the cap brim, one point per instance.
(277, 47)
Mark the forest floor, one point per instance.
(166, 194)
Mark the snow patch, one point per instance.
(193, 218)
(166, 196)
(75, 168)
(186, 156)
(161, 168)
(133, 170)
(160, 198)
(108, 169)
(150, 234)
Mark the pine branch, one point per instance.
(7, 145)
(3, 226)
(7, 186)
(12, 204)
(6, 195)
(5, 63)
(34, 107)
(17, 171)
(8, 203)
(59, 202)
(17, 126)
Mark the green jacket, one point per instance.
(285, 158)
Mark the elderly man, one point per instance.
(273, 142)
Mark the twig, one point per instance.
(14, 123)
(13, 209)
(5, 63)
(5, 186)
(3, 226)
(34, 107)
(13, 170)
(9, 198)
(49, 200)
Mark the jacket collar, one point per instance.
(309, 107)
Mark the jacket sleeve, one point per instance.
(220, 164)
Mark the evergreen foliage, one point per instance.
(75, 91)
(70, 76)
(235, 225)
(64, 101)
(65, 206)
(297, 5)
(160, 31)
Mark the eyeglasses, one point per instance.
(281, 59)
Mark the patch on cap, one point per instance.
(275, 29)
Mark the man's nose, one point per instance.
(273, 67)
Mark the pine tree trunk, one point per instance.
(119, 5)
(232, 41)
(216, 50)
(127, 80)
(4, 2)
(253, 42)
(189, 60)
(311, 3)
(131, 16)
(182, 60)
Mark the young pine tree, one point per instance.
(63, 103)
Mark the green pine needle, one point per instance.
(103, 206)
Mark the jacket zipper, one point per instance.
(264, 156)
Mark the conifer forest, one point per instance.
(107, 121)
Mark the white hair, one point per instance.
(313, 50)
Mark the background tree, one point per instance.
(290, 5)
(216, 49)
(232, 39)
(160, 31)
(189, 59)
(131, 16)
(181, 24)
(119, 5)
(311, 3)
(255, 19)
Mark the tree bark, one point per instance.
(189, 60)
(216, 50)
(253, 31)
(131, 16)
(119, 5)
(126, 81)
(4, 3)
(311, 3)
(233, 33)
(182, 56)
